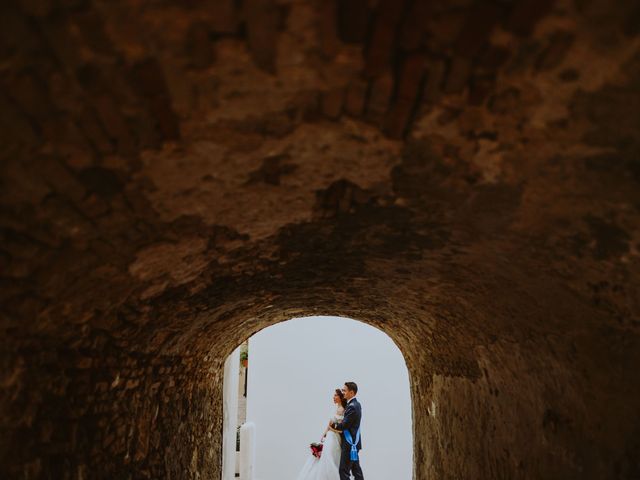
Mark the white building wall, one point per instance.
(247, 451)
(230, 414)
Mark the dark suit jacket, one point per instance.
(351, 422)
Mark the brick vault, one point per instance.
(463, 175)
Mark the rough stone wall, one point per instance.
(463, 175)
(109, 414)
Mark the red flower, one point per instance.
(316, 449)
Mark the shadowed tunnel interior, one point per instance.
(463, 175)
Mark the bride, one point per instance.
(326, 467)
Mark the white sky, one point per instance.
(294, 368)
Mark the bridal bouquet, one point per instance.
(316, 449)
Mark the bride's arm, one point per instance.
(330, 428)
(347, 420)
(327, 429)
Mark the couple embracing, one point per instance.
(341, 443)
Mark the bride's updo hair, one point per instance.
(343, 401)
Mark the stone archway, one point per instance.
(463, 176)
(491, 397)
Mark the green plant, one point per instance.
(244, 356)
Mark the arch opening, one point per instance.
(295, 366)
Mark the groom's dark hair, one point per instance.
(351, 386)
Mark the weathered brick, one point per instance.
(480, 22)
(383, 36)
(493, 57)
(109, 80)
(17, 32)
(15, 126)
(147, 78)
(526, 13)
(148, 81)
(306, 105)
(353, 18)
(104, 182)
(552, 56)
(68, 140)
(91, 25)
(115, 124)
(332, 101)
(72, 4)
(481, 86)
(380, 90)
(262, 19)
(407, 93)
(356, 98)
(457, 75)
(436, 69)
(168, 124)
(58, 32)
(37, 8)
(328, 27)
(199, 46)
(398, 118)
(58, 175)
(31, 94)
(147, 129)
(444, 28)
(505, 101)
(414, 27)
(411, 77)
(223, 15)
(94, 131)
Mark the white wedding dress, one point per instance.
(325, 467)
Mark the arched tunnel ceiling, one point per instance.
(458, 173)
(151, 147)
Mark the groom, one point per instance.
(350, 423)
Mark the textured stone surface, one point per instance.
(176, 176)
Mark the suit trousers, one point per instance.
(347, 466)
